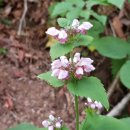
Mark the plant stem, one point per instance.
(77, 112)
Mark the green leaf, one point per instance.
(60, 50)
(63, 22)
(85, 14)
(64, 128)
(1, 3)
(51, 80)
(111, 47)
(98, 122)
(128, 49)
(118, 3)
(73, 13)
(77, 3)
(83, 40)
(61, 8)
(26, 126)
(6, 21)
(100, 18)
(126, 120)
(3, 51)
(116, 65)
(125, 74)
(89, 87)
(96, 29)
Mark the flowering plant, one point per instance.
(73, 70)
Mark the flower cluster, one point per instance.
(81, 28)
(93, 104)
(77, 67)
(60, 35)
(63, 34)
(52, 123)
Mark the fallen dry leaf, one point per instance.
(50, 42)
(117, 25)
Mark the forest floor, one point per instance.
(23, 97)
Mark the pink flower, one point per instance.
(84, 27)
(93, 104)
(84, 64)
(63, 68)
(59, 68)
(52, 31)
(52, 123)
(62, 37)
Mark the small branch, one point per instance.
(112, 86)
(120, 106)
(113, 30)
(22, 18)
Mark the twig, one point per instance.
(113, 31)
(22, 18)
(112, 86)
(119, 107)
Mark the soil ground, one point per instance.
(23, 97)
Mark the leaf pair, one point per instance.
(86, 87)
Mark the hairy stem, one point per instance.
(77, 112)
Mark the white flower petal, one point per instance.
(76, 57)
(79, 71)
(62, 34)
(75, 23)
(93, 106)
(99, 105)
(86, 25)
(52, 31)
(63, 74)
(45, 123)
(55, 72)
(89, 100)
(64, 61)
(50, 128)
(56, 64)
(51, 117)
(89, 68)
(58, 125)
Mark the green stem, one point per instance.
(77, 112)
